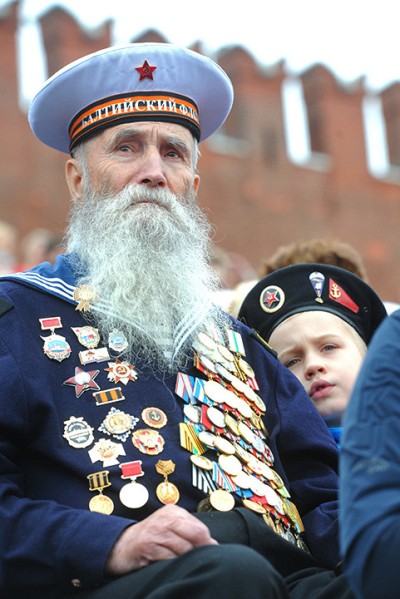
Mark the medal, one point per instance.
(106, 451)
(166, 492)
(117, 341)
(154, 417)
(94, 355)
(56, 347)
(133, 495)
(201, 462)
(100, 503)
(118, 424)
(222, 500)
(148, 441)
(82, 381)
(78, 433)
(87, 336)
(83, 295)
(121, 372)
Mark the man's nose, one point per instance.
(151, 170)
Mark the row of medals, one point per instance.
(225, 420)
(225, 432)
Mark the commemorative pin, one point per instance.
(55, 347)
(121, 372)
(78, 433)
(87, 336)
(82, 380)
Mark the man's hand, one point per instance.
(168, 532)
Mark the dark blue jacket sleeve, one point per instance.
(370, 470)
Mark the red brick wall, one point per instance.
(256, 197)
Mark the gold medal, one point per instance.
(224, 446)
(254, 506)
(222, 500)
(100, 503)
(230, 464)
(166, 491)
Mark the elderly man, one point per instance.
(150, 446)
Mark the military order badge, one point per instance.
(272, 299)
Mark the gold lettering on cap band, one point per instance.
(140, 105)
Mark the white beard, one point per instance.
(148, 264)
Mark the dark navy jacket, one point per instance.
(370, 470)
(48, 536)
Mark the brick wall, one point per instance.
(255, 195)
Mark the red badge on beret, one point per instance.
(337, 294)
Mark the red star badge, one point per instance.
(82, 381)
(271, 298)
(145, 71)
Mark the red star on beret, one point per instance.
(145, 71)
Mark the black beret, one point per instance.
(305, 287)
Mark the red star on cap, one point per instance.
(82, 381)
(145, 71)
(271, 298)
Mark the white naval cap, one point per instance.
(134, 82)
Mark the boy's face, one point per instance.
(324, 353)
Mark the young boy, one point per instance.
(319, 319)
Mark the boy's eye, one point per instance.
(291, 362)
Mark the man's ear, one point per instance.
(196, 183)
(74, 177)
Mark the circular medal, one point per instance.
(242, 480)
(167, 493)
(214, 391)
(231, 400)
(254, 506)
(244, 408)
(230, 464)
(246, 433)
(205, 505)
(258, 402)
(102, 504)
(222, 500)
(232, 424)
(225, 353)
(274, 500)
(224, 446)
(193, 413)
(207, 341)
(154, 417)
(246, 368)
(201, 461)
(133, 495)
(242, 454)
(207, 438)
(216, 417)
(238, 384)
(257, 486)
(208, 364)
(224, 372)
(117, 341)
